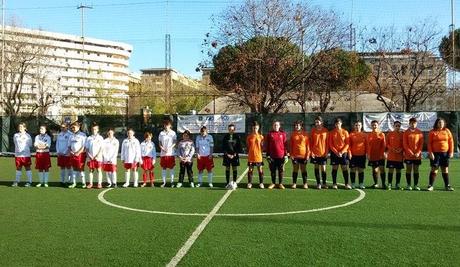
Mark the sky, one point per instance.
(144, 23)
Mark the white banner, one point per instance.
(425, 120)
(214, 123)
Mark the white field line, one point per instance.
(191, 240)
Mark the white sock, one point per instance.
(62, 175)
(109, 179)
(40, 177)
(136, 178)
(200, 177)
(171, 172)
(163, 175)
(74, 177)
(114, 177)
(29, 176)
(210, 177)
(99, 177)
(127, 178)
(18, 176)
(69, 175)
(91, 176)
(82, 175)
(45, 176)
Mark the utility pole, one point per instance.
(452, 10)
(2, 86)
(82, 8)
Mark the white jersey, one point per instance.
(22, 144)
(167, 140)
(203, 144)
(77, 141)
(42, 140)
(148, 149)
(62, 143)
(131, 151)
(93, 147)
(110, 150)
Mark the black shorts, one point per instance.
(336, 160)
(358, 162)
(413, 161)
(395, 165)
(376, 163)
(235, 161)
(441, 159)
(318, 160)
(299, 161)
(276, 164)
(255, 164)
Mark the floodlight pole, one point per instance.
(452, 10)
(2, 86)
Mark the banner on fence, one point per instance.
(214, 123)
(425, 120)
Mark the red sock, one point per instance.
(144, 177)
(152, 177)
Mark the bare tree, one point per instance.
(405, 67)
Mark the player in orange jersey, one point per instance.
(254, 143)
(440, 149)
(357, 150)
(376, 153)
(318, 151)
(413, 145)
(300, 153)
(395, 153)
(338, 145)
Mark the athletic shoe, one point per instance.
(449, 188)
(361, 186)
(305, 186)
(408, 188)
(229, 186)
(234, 186)
(179, 185)
(108, 186)
(125, 185)
(281, 186)
(152, 184)
(271, 186)
(90, 186)
(163, 185)
(249, 186)
(38, 185)
(318, 186)
(99, 186)
(293, 186)
(172, 185)
(353, 186)
(45, 185)
(115, 186)
(261, 186)
(72, 185)
(83, 186)
(417, 188)
(198, 184)
(210, 185)
(192, 185)
(375, 186)
(14, 184)
(143, 184)
(430, 188)
(325, 186)
(347, 186)
(334, 186)
(135, 185)
(27, 185)
(389, 187)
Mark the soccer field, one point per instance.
(76, 227)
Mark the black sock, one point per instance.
(250, 173)
(304, 177)
(445, 177)
(382, 177)
(390, 177)
(353, 177)
(345, 176)
(323, 176)
(374, 176)
(334, 176)
(294, 177)
(416, 178)
(235, 175)
(361, 177)
(227, 176)
(398, 178)
(280, 176)
(408, 179)
(318, 180)
(261, 177)
(432, 178)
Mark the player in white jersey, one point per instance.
(93, 148)
(167, 142)
(204, 148)
(22, 145)
(63, 154)
(109, 158)
(131, 157)
(42, 156)
(149, 154)
(77, 154)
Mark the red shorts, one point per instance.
(64, 162)
(94, 164)
(78, 162)
(205, 163)
(107, 167)
(22, 162)
(167, 162)
(147, 163)
(42, 161)
(131, 166)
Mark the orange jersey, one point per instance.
(357, 144)
(376, 146)
(440, 141)
(318, 142)
(413, 144)
(254, 143)
(338, 141)
(299, 145)
(395, 146)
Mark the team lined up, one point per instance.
(73, 148)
